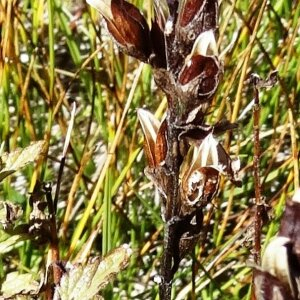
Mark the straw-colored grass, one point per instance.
(55, 52)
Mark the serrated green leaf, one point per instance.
(17, 159)
(85, 282)
(16, 283)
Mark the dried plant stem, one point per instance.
(170, 242)
(256, 159)
(53, 254)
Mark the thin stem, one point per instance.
(170, 238)
(256, 162)
(53, 254)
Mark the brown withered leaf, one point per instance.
(267, 83)
(85, 281)
(19, 158)
(9, 213)
(198, 132)
(15, 285)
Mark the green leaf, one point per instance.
(14, 161)
(85, 282)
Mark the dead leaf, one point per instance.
(19, 158)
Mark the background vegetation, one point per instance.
(55, 52)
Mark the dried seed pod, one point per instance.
(127, 25)
(199, 188)
(200, 173)
(155, 147)
(279, 275)
(155, 143)
(189, 9)
(199, 77)
(150, 126)
(195, 17)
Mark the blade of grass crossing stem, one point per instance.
(79, 228)
(119, 180)
(99, 101)
(107, 212)
(114, 188)
(51, 47)
(65, 26)
(37, 20)
(4, 114)
(238, 98)
(63, 159)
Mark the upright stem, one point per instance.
(256, 160)
(172, 204)
(53, 254)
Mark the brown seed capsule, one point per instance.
(188, 11)
(155, 143)
(201, 171)
(127, 25)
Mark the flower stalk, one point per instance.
(185, 160)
